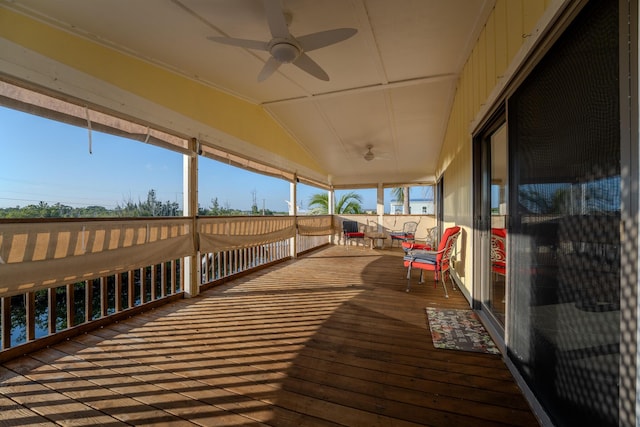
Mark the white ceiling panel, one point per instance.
(390, 86)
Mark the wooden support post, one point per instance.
(293, 195)
(190, 264)
(380, 207)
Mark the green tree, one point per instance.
(348, 203)
(546, 202)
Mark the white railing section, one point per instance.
(224, 264)
(313, 232)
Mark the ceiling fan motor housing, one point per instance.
(284, 51)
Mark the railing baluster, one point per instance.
(53, 312)
(104, 300)
(5, 312)
(224, 263)
(71, 321)
(88, 300)
(163, 280)
(30, 315)
(142, 279)
(118, 291)
(244, 259)
(131, 295)
(173, 276)
(154, 293)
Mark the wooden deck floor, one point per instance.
(329, 339)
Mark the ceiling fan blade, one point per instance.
(269, 68)
(305, 63)
(275, 18)
(325, 38)
(249, 44)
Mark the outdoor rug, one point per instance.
(459, 330)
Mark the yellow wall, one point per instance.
(219, 110)
(495, 48)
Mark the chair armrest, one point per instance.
(421, 256)
(421, 252)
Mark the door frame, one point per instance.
(482, 222)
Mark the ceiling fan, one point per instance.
(285, 48)
(370, 155)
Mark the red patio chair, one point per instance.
(436, 261)
(428, 245)
(498, 253)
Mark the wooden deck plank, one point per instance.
(14, 414)
(50, 404)
(197, 400)
(329, 339)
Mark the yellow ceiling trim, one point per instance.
(234, 116)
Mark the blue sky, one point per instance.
(45, 160)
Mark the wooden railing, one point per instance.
(59, 277)
(69, 309)
(103, 270)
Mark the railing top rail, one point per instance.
(90, 219)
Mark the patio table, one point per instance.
(373, 236)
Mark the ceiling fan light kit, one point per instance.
(284, 51)
(284, 48)
(368, 156)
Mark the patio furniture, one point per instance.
(428, 244)
(436, 261)
(373, 236)
(407, 234)
(498, 254)
(350, 231)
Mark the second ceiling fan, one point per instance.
(285, 48)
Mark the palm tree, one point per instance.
(348, 203)
(401, 194)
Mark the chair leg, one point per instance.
(444, 285)
(453, 283)
(408, 278)
(438, 276)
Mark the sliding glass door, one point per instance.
(491, 220)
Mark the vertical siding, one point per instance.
(500, 27)
(515, 30)
(502, 37)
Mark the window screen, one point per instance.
(564, 132)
